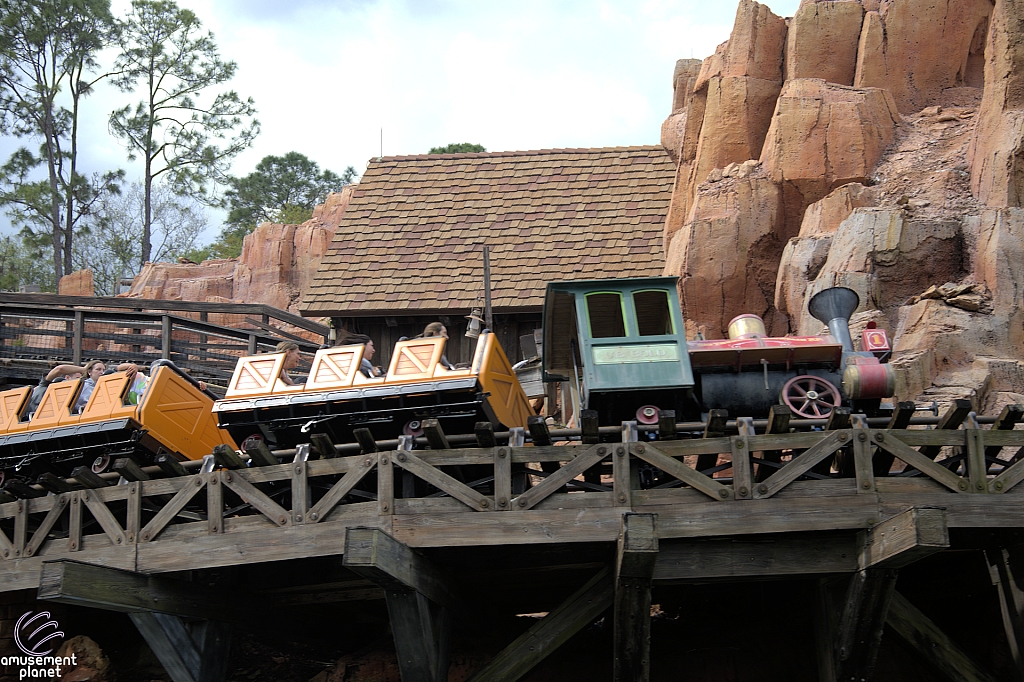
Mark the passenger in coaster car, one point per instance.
(58, 373)
(435, 329)
(94, 369)
(291, 361)
(366, 367)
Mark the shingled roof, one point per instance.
(410, 240)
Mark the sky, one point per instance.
(343, 81)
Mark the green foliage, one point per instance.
(458, 148)
(23, 262)
(178, 128)
(282, 189)
(46, 49)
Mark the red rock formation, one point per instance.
(275, 266)
(822, 41)
(79, 283)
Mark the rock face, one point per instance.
(276, 264)
(79, 283)
(893, 164)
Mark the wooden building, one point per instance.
(409, 249)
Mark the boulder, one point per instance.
(824, 217)
(823, 136)
(802, 260)
(997, 149)
(78, 283)
(727, 256)
(917, 49)
(822, 41)
(886, 258)
(92, 665)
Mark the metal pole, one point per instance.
(487, 289)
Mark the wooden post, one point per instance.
(742, 476)
(637, 553)
(862, 455)
(252, 344)
(1011, 604)
(589, 426)
(420, 600)
(862, 622)
(76, 349)
(165, 337)
(502, 478)
(934, 645)
(553, 630)
(778, 422)
(197, 656)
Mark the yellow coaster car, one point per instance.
(338, 397)
(173, 416)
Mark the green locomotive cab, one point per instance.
(608, 338)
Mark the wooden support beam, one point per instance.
(826, 626)
(435, 435)
(775, 555)
(666, 424)
(189, 653)
(21, 490)
(952, 419)
(742, 478)
(778, 422)
(538, 430)
(323, 444)
(55, 484)
(485, 434)
(378, 557)
(552, 631)
(900, 419)
(259, 454)
(634, 568)
(366, 440)
(903, 539)
(420, 599)
(1010, 416)
(87, 478)
(589, 427)
(170, 466)
(111, 589)
(838, 419)
(1011, 603)
(227, 457)
(862, 622)
(934, 645)
(129, 470)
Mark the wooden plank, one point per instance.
(904, 539)
(571, 470)
(918, 461)
(443, 481)
(171, 509)
(950, 421)
(75, 524)
(133, 512)
(801, 464)
(502, 479)
(129, 470)
(422, 633)
(863, 466)
(667, 425)
(1007, 419)
(54, 484)
(87, 478)
(366, 441)
(259, 454)
(826, 627)
(1011, 603)
(538, 430)
(589, 428)
(778, 422)
(622, 480)
(339, 490)
(977, 467)
(103, 516)
(679, 470)
(484, 432)
(171, 643)
(323, 445)
(170, 466)
(862, 621)
(435, 434)
(300, 490)
(742, 469)
(637, 552)
(40, 534)
(935, 647)
(900, 419)
(255, 497)
(111, 589)
(227, 457)
(550, 632)
(378, 557)
(777, 555)
(385, 483)
(214, 502)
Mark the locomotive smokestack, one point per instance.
(834, 307)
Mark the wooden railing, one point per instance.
(205, 339)
(515, 494)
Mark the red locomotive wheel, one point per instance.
(810, 397)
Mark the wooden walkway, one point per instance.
(764, 505)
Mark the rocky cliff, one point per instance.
(276, 264)
(875, 144)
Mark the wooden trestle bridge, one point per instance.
(745, 502)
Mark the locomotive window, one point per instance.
(653, 317)
(605, 312)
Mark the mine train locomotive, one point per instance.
(619, 347)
